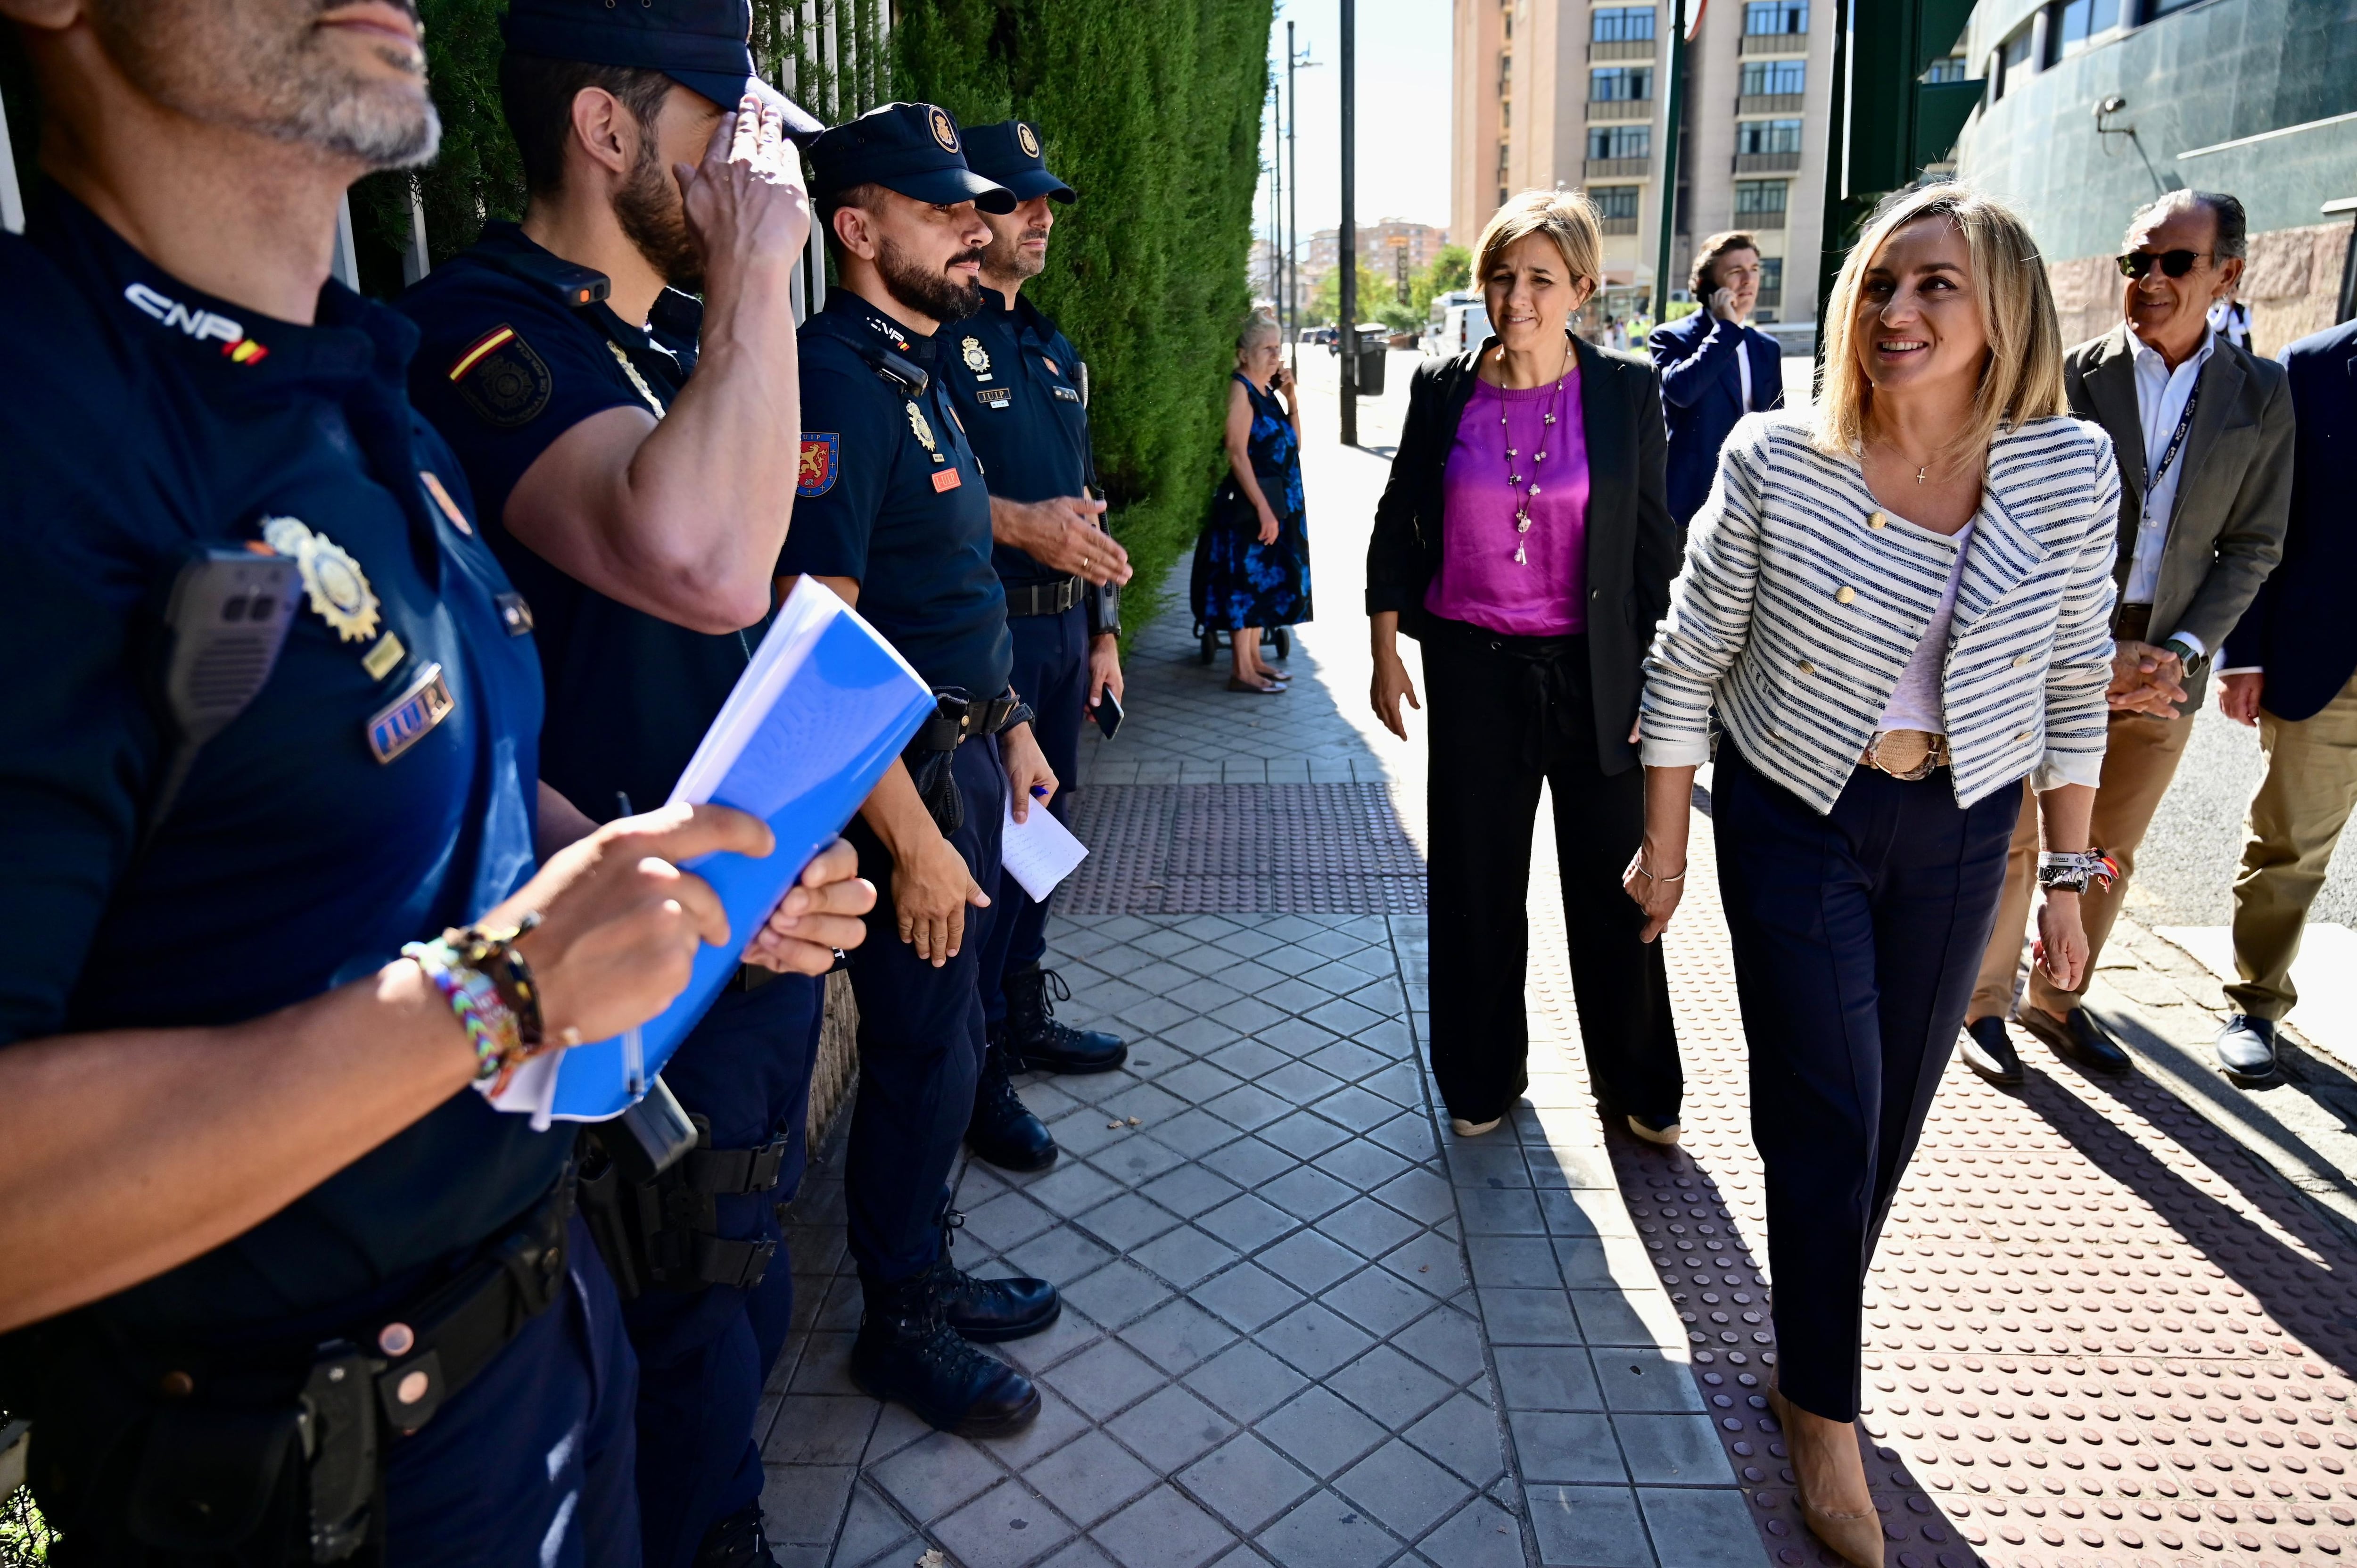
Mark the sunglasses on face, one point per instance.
(2176, 264)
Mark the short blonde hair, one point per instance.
(1565, 217)
(2022, 379)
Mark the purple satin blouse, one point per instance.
(1480, 582)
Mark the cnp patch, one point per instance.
(1027, 138)
(502, 379)
(822, 455)
(944, 132)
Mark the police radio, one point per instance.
(226, 621)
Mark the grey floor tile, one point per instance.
(1378, 1301)
(819, 1429)
(1562, 1165)
(1007, 1220)
(825, 1367)
(1036, 1352)
(1478, 1535)
(1420, 1193)
(1314, 1339)
(1404, 1488)
(1104, 1378)
(1701, 1526)
(1464, 1435)
(1585, 1211)
(1348, 1060)
(1197, 1082)
(1072, 1189)
(1615, 1318)
(1448, 1341)
(1245, 1381)
(1088, 1477)
(1547, 1378)
(1248, 1058)
(1634, 1379)
(1128, 1221)
(1004, 1528)
(1247, 1222)
(1305, 1135)
(1432, 1262)
(870, 1527)
(1550, 1446)
(1170, 1429)
(1080, 1554)
(932, 1477)
(1296, 1037)
(1195, 1132)
(1360, 1109)
(1518, 1263)
(1245, 1482)
(1247, 1295)
(1486, 1163)
(1136, 1159)
(1299, 1083)
(1501, 1211)
(1530, 1318)
(1611, 1262)
(1321, 1432)
(1185, 1257)
(1308, 1262)
(1588, 1527)
(1306, 1192)
(1249, 1106)
(1410, 1136)
(807, 1501)
(1248, 1162)
(1085, 1132)
(1119, 1293)
(1189, 1190)
(1177, 1335)
(1327, 1531)
(1389, 1387)
(1672, 1450)
(1368, 1228)
(1162, 1530)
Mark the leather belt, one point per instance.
(958, 718)
(1906, 754)
(1043, 598)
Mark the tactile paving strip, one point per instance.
(2098, 1334)
(1280, 849)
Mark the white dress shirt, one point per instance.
(1743, 364)
(2161, 395)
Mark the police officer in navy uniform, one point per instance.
(638, 493)
(1019, 383)
(279, 1288)
(893, 514)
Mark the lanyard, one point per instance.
(2176, 441)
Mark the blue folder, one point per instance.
(814, 723)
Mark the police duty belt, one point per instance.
(957, 718)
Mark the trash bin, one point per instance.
(1374, 347)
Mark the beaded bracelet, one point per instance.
(491, 1028)
(492, 953)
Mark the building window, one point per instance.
(2073, 23)
(1767, 136)
(1622, 24)
(1615, 201)
(1619, 141)
(1774, 76)
(1771, 280)
(2163, 7)
(1776, 16)
(1949, 70)
(1619, 83)
(1754, 198)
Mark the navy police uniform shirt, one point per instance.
(1017, 381)
(505, 367)
(151, 419)
(892, 497)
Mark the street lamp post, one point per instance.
(1673, 107)
(1347, 329)
(1292, 314)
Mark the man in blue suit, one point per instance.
(1714, 369)
(2288, 667)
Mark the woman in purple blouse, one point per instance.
(1525, 539)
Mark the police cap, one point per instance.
(913, 148)
(1009, 153)
(700, 44)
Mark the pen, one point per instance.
(1038, 791)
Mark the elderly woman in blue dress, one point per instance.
(1256, 561)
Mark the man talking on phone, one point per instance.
(1023, 395)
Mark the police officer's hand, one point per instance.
(930, 890)
(1105, 667)
(1063, 535)
(820, 914)
(620, 922)
(1027, 769)
(746, 205)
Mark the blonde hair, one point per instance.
(1260, 324)
(1565, 217)
(2021, 379)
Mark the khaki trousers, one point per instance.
(2296, 820)
(2140, 758)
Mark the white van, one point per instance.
(1459, 322)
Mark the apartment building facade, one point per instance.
(1573, 95)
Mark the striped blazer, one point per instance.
(1800, 604)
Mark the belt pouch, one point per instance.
(604, 1199)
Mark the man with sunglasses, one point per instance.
(2204, 432)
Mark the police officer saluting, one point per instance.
(281, 1289)
(893, 515)
(623, 441)
(1019, 384)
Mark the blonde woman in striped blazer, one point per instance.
(1898, 607)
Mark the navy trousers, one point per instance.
(1051, 674)
(1857, 938)
(702, 1356)
(920, 1043)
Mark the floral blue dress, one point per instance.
(1239, 580)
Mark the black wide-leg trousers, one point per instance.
(1857, 937)
(1507, 715)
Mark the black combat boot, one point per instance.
(736, 1542)
(1037, 1043)
(1002, 1128)
(908, 1351)
(989, 1311)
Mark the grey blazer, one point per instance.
(2234, 497)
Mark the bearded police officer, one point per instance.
(1019, 385)
(893, 515)
(281, 1289)
(621, 439)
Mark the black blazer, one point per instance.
(1633, 545)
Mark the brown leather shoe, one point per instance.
(1857, 1536)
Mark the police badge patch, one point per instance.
(502, 380)
(923, 430)
(977, 358)
(822, 453)
(338, 589)
(1027, 138)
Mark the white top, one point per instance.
(1743, 365)
(1917, 703)
(2161, 395)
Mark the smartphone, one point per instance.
(1109, 714)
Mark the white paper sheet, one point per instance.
(1038, 853)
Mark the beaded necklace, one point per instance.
(1513, 481)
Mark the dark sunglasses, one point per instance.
(2176, 264)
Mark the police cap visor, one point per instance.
(700, 44)
(914, 149)
(1008, 153)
